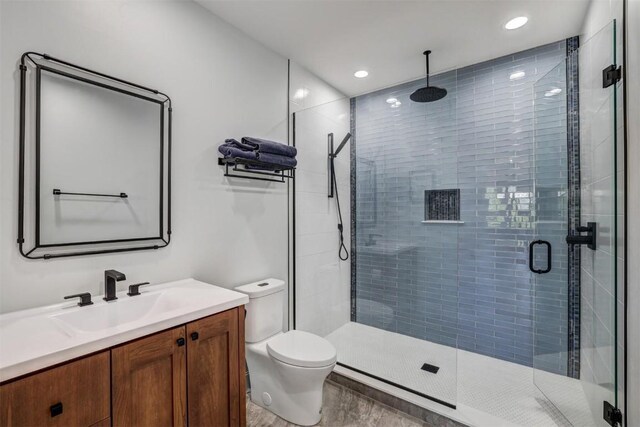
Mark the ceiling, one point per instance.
(335, 38)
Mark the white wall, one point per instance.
(633, 194)
(323, 282)
(223, 84)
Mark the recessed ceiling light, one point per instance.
(301, 93)
(517, 75)
(391, 100)
(516, 23)
(553, 92)
(361, 74)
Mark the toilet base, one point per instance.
(291, 392)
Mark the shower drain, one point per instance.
(430, 368)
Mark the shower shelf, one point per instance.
(235, 167)
(441, 221)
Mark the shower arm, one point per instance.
(426, 55)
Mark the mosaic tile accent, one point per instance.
(573, 153)
(460, 285)
(354, 246)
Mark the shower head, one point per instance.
(341, 146)
(428, 93)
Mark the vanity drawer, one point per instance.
(73, 394)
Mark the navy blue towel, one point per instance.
(237, 144)
(264, 146)
(274, 159)
(231, 151)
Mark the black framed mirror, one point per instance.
(95, 162)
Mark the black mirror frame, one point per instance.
(101, 80)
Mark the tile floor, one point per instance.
(342, 407)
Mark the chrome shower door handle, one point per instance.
(531, 249)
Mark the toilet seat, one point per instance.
(303, 349)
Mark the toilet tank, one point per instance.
(265, 308)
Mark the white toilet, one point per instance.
(286, 370)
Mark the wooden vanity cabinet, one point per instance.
(213, 373)
(73, 394)
(190, 375)
(149, 383)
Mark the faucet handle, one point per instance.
(133, 289)
(85, 298)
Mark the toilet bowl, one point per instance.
(286, 370)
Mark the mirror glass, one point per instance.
(100, 156)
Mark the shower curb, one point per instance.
(432, 418)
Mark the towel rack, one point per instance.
(235, 167)
(58, 192)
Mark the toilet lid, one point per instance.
(303, 349)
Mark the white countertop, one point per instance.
(40, 337)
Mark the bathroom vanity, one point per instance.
(174, 355)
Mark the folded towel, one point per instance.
(231, 151)
(264, 146)
(275, 159)
(237, 144)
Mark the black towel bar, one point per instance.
(58, 192)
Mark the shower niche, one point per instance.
(442, 206)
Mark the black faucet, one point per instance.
(110, 279)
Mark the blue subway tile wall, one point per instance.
(466, 285)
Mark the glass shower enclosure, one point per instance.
(482, 233)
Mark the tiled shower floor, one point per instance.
(486, 391)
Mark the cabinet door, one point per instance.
(215, 387)
(149, 381)
(73, 394)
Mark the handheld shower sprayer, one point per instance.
(343, 253)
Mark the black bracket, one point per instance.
(611, 414)
(589, 239)
(611, 75)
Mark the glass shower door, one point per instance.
(573, 252)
